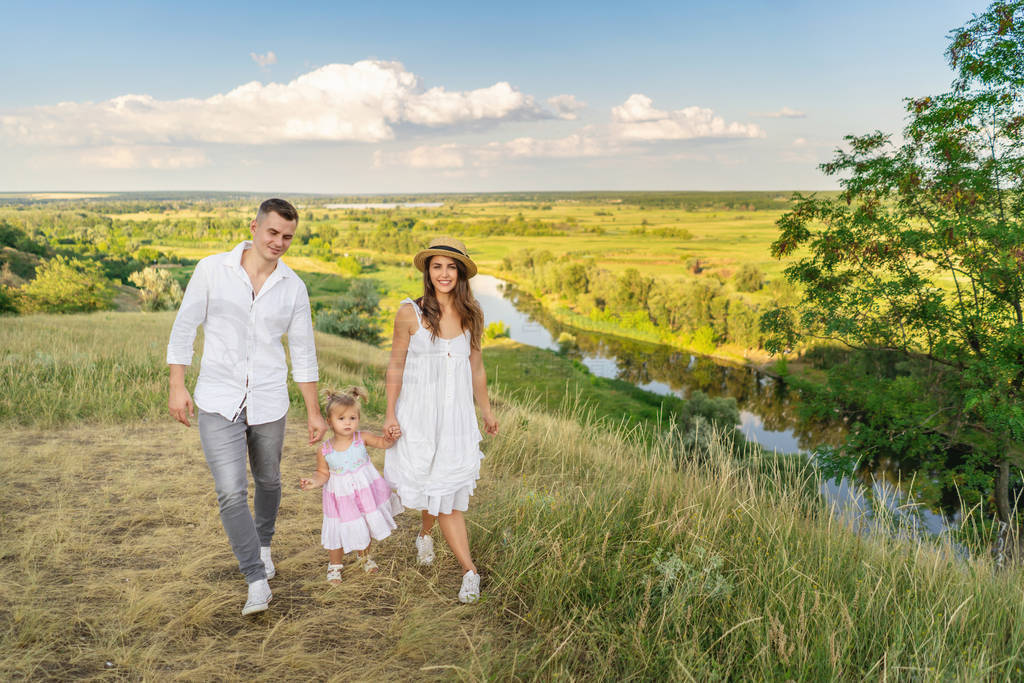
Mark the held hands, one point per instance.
(392, 432)
(307, 484)
(180, 405)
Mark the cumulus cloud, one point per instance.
(128, 157)
(264, 60)
(361, 102)
(566, 106)
(784, 113)
(637, 119)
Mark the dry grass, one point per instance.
(606, 552)
(114, 565)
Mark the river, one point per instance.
(769, 411)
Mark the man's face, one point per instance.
(272, 235)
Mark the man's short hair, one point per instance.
(282, 207)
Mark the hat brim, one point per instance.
(420, 260)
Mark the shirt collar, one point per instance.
(234, 260)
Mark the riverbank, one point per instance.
(606, 554)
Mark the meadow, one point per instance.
(608, 551)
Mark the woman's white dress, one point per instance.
(435, 464)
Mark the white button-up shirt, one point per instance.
(243, 358)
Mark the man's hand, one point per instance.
(181, 406)
(317, 427)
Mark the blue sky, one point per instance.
(426, 97)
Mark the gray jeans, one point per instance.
(226, 445)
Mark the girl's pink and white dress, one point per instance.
(435, 464)
(357, 500)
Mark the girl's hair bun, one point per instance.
(347, 397)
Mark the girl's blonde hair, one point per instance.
(346, 398)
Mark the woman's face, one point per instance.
(444, 274)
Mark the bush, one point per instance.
(353, 313)
(350, 266)
(749, 278)
(67, 286)
(496, 330)
(160, 291)
(348, 324)
(8, 301)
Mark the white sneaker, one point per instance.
(470, 590)
(425, 549)
(259, 597)
(268, 564)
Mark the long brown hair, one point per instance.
(463, 301)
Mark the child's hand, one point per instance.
(307, 484)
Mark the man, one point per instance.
(246, 299)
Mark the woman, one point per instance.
(435, 373)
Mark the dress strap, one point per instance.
(325, 448)
(416, 308)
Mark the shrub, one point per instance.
(749, 278)
(496, 330)
(350, 266)
(160, 291)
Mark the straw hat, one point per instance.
(445, 246)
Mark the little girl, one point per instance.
(356, 499)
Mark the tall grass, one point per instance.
(607, 552)
(110, 367)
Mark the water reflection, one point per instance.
(769, 411)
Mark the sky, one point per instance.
(348, 98)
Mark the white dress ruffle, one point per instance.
(435, 464)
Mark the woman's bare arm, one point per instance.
(405, 326)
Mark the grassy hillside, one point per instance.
(606, 553)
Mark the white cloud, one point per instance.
(360, 102)
(784, 113)
(637, 119)
(566, 106)
(264, 60)
(446, 156)
(575, 145)
(129, 157)
(800, 142)
(454, 156)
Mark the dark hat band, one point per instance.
(460, 253)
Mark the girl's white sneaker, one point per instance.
(425, 549)
(470, 591)
(258, 599)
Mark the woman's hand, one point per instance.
(392, 430)
(490, 423)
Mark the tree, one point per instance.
(67, 286)
(920, 261)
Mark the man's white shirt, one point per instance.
(243, 358)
